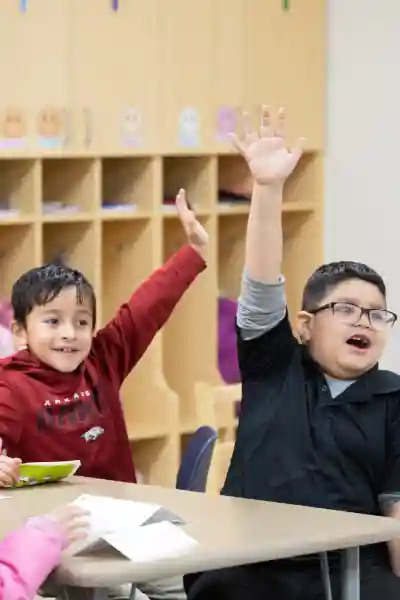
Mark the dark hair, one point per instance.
(328, 276)
(41, 285)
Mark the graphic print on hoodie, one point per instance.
(47, 415)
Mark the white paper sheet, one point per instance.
(152, 542)
(111, 515)
(120, 524)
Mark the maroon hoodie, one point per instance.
(46, 415)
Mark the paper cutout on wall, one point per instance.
(23, 5)
(189, 128)
(13, 129)
(132, 135)
(226, 123)
(50, 128)
(115, 5)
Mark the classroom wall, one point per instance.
(362, 196)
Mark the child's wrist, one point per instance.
(201, 251)
(267, 199)
(48, 527)
(269, 187)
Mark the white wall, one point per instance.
(362, 191)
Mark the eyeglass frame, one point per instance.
(363, 311)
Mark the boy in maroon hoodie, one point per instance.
(60, 395)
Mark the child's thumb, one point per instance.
(17, 462)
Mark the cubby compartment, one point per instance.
(19, 251)
(302, 245)
(70, 187)
(157, 460)
(19, 188)
(130, 186)
(128, 259)
(231, 246)
(197, 175)
(194, 319)
(75, 244)
(305, 185)
(302, 241)
(235, 184)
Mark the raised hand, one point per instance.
(264, 150)
(195, 232)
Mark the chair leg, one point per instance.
(326, 579)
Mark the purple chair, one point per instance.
(196, 460)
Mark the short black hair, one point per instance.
(41, 285)
(328, 276)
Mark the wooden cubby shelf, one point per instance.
(68, 187)
(89, 172)
(196, 175)
(127, 187)
(19, 186)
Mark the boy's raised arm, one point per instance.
(270, 164)
(262, 303)
(122, 342)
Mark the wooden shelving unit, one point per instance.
(125, 113)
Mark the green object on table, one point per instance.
(46, 472)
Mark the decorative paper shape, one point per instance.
(132, 127)
(13, 129)
(189, 128)
(50, 128)
(226, 122)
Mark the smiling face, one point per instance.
(50, 122)
(14, 124)
(342, 343)
(59, 333)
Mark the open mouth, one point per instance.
(66, 350)
(360, 341)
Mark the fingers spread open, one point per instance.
(279, 126)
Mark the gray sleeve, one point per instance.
(261, 306)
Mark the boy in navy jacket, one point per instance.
(320, 423)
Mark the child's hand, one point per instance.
(264, 150)
(72, 520)
(196, 234)
(9, 468)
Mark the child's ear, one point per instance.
(19, 335)
(303, 326)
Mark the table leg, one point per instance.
(351, 574)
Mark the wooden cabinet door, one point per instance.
(286, 63)
(229, 68)
(113, 75)
(186, 32)
(33, 65)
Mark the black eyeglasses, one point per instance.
(351, 314)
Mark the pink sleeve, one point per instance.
(27, 557)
